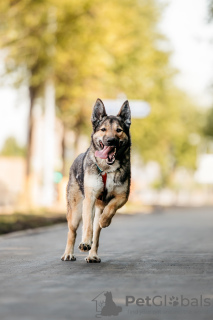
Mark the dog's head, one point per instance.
(110, 133)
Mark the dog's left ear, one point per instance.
(125, 113)
(98, 113)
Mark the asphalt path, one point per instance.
(156, 266)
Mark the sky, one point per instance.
(185, 25)
(14, 113)
(184, 22)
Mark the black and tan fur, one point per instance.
(86, 186)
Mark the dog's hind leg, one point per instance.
(74, 215)
(93, 253)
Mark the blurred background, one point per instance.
(58, 57)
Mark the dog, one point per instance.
(99, 180)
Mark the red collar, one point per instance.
(104, 192)
(104, 178)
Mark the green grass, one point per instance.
(19, 221)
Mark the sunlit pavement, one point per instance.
(167, 254)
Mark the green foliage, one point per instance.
(164, 135)
(208, 126)
(11, 148)
(96, 48)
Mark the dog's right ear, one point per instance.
(98, 113)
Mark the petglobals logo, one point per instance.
(163, 301)
(105, 306)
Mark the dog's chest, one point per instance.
(111, 185)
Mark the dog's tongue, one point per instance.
(104, 153)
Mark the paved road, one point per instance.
(167, 253)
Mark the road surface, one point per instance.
(156, 266)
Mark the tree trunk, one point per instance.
(63, 147)
(27, 193)
(76, 140)
(30, 131)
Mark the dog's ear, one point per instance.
(98, 113)
(125, 113)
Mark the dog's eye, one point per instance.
(103, 129)
(118, 130)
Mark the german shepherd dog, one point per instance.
(99, 180)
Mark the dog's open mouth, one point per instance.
(107, 152)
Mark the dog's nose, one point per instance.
(111, 141)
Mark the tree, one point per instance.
(208, 124)
(50, 40)
(26, 36)
(96, 48)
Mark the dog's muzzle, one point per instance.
(107, 152)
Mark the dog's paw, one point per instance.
(84, 246)
(92, 259)
(104, 221)
(68, 257)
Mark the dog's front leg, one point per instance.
(93, 254)
(88, 216)
(117, 202)
(92, 188)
